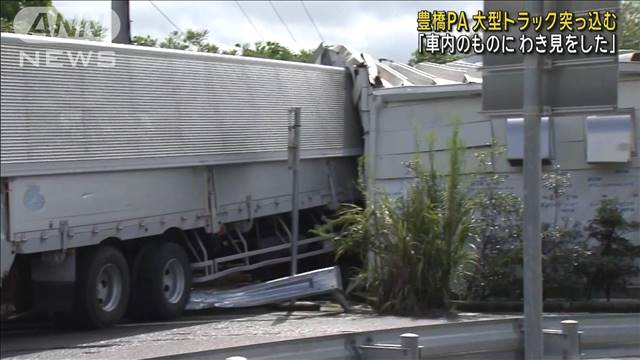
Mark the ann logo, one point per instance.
(47, 21)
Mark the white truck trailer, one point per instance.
(129, 173)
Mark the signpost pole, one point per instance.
(532, 254)
(596, 89)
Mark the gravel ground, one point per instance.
(198, 332)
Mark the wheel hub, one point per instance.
(173, 281)
(109, 287)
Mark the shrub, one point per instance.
(411, 247)
(611, 260)
(564, 251)
(497, 228)
(564, 247)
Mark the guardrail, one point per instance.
(602, 335)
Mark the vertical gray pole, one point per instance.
(409, 341)
(532, 255)
(571, 346)
(294, 165)
(120, 8)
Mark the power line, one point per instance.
(249, 20)
(311, 19)
(282, 21)
(166, 17)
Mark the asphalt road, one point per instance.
(204, 330)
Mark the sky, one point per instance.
(385, 29)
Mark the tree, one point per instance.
(418, 57)
(208, 47)
(497, 228)
(9, 9)
(304, 55)
(230, 52)
(195, 40)
(144, 41)
(85, 29)
(274, 50)
(612, 260)
(174, 41)
(629, 25)
(75, 28)
(564, 247)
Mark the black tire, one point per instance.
(137, 309)
(102, 287)
(157, 266)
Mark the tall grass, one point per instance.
(413, 246)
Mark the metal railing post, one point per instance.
(571, 344)
(409, 341)
(294, 165)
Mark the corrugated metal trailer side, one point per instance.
(70, 106)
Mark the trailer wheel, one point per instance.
(102, 286)
(163, 283)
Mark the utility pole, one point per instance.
(121, 21)
(532, 171)
(294, 165)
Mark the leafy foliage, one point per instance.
(73, 28)
(85, 29)
(611, 261)
(174, 41)
(570, 264)
(9, 9)
(417, 57)
(273, 50)
(564, 247)
(5, 25)
(497, 228)
(144, 41)
(564, 251)
(195, 40)
(629, 25)
(412, 247)
(557, 183)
